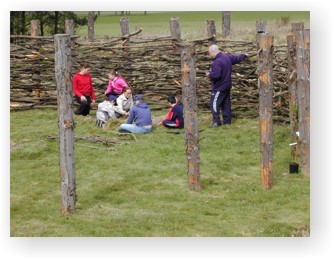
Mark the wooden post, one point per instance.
(34, 28)
(175, 28)
(226, 23)
(260, 26)
(188, 78)
(265, 70)
(69, 27)
(211, 28)
(65, 122)
(303, 94)
(91, 36)
(124, 22)
(297, 26)
(36, 70)
(260, 29)
(293, 104)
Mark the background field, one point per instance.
(193, 24)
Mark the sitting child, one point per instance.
(105, 111)
(174, 117)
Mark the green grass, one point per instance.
(193, 23)
(140, 188)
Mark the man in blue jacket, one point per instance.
(221, 84)
(139, 113)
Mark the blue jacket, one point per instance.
(221, 71)
(141, 114)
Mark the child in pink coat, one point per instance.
(116, 84)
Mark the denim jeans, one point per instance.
(134, 129)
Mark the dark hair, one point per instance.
(171, 99)
(125, 88)
(113, 72)
(85, 65)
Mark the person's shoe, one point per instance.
(215, 125)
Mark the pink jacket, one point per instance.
(116, 85)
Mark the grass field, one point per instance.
(193, 24)
(139, 188)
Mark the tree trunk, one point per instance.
(265, 70)
(188, 74)
(65, 122)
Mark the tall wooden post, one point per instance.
(65, 122)
(188, 77)
(265, 70)
(303, 93)
(124, 23)
(91, 36)
(175, 28)
(211, 28)
(293, 104)
(226, 23)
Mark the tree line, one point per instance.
(50, 22)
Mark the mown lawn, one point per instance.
(139, 188)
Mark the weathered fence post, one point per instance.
(188, 75)
(124, 23)
(36, 70)
(260, 26)
(34, 28)
(69, 27)
(303, 95)
(260, 29)
(65, 122)
(211, 28)
(265, 70)
(175, 28)
(226, 23)
(297, 26)
(293, 104)
(91, 32)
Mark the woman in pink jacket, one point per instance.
(116, 84)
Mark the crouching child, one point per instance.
(174, 117)
(105, 111)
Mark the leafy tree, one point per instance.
(50, 22)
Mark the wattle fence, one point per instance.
(152, 67)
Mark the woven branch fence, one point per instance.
(152, 67)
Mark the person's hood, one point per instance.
(142, 105)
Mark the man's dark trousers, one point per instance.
(221, 100)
